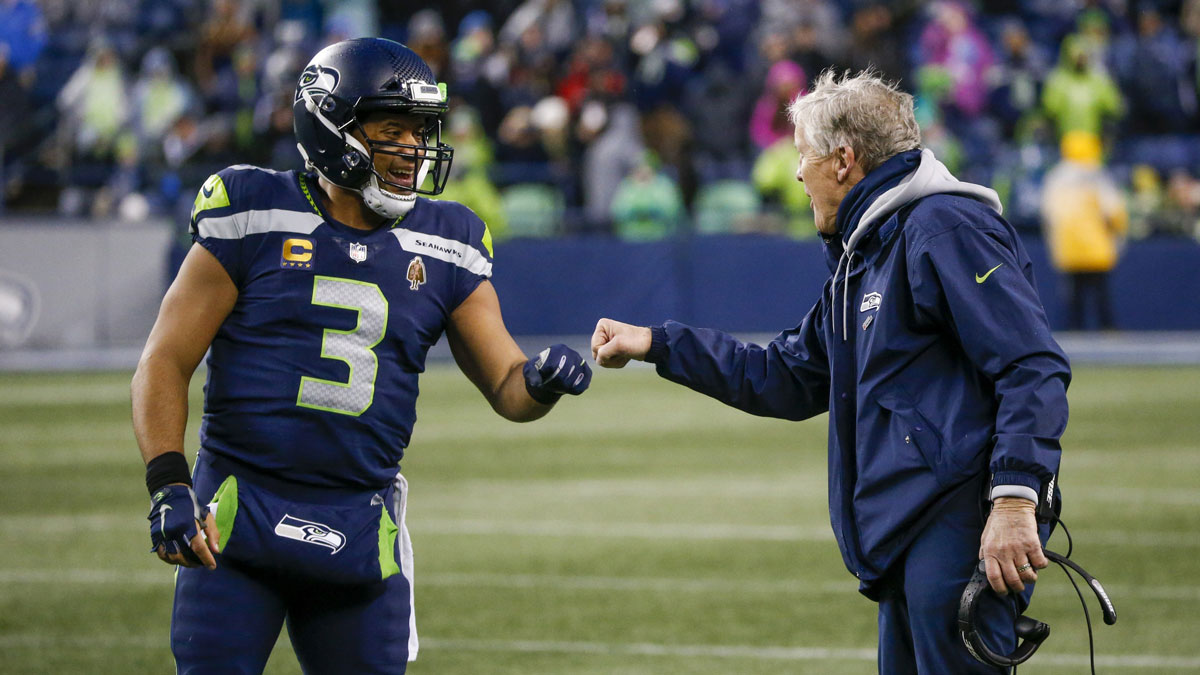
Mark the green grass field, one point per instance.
(639, 529)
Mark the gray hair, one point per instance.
(863, 111)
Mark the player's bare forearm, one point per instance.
(518, 389)
(513, 401)
(489, 357)
(495, 369)
(160, 406)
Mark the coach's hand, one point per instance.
(181, 531)
(615, 343)
(1010, 545)
(557, 370)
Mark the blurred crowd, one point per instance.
(639, 118)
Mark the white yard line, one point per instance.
(846, 586)
(98, 435)
(568, 528)
(1160, 455)
(1132, 538)
(86, 576)
(114, 641)
(65, 393)
(747, 652)
(743, 652)
(633, 584)
(650, 649)
(798, 487)
(1131, 496)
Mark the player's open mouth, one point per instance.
(401, 177)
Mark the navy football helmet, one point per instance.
(341, 85)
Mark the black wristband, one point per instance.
(169, 467)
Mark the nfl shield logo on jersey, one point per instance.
(416, 273)
(358, 252)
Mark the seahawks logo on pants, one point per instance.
(291, 527)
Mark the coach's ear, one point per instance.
(846, 163)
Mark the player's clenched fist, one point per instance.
(614, 343)
(557, 370)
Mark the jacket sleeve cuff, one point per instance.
(658, 345)
(1015, 484)
(1014, 491)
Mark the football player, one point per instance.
(317, 296)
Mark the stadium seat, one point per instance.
(532, 209)
(725, 206)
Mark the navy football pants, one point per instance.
(226, 621)
(918, 613)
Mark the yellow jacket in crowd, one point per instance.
(1083, 212)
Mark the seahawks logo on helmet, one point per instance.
(317, 78)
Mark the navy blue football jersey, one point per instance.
(313, 375)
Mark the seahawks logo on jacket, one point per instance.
(870, 301)
(291, 527)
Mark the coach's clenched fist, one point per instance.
(615, 343)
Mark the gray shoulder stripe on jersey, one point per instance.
(248, 167)
(238, 225)
(448, 250)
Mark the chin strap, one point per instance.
(385, 203)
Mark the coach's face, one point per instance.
(826, 180)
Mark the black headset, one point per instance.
(1029, 630)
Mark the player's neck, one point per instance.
(347, 207)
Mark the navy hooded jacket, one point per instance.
(929, 348)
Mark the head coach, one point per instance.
(929, 348)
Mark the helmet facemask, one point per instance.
(430, 157)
